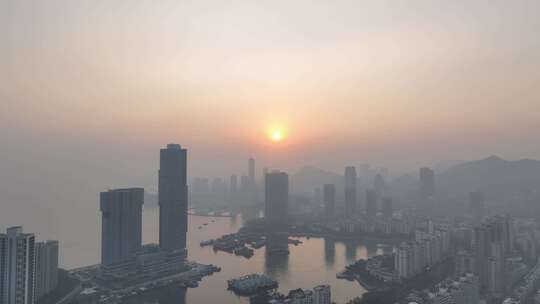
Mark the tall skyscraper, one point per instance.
(464, 262)
(173, 198)
(482, 250)
(322, 294)
(371, 203)
(493, 242)
(276, 199)
(17, 267)
(350, 191)
(233, 190)
(121, 225)
(244, 183)
(329, 194)
(200, 191)
(219, 190)
(3, 268)
(387, 207)
(317, 196)
(233, 185)
(427, 182)
(46, 268)
(379, 184)
(251, 170)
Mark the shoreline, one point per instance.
(348, 237)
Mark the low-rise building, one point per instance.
(149, 262)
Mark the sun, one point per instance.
(277, 135)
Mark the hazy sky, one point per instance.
(92, 89)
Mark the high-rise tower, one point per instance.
(173, 198)
(379, 184)
(276, 199)
(251, 170)
(350, 191)
(329, 196)
(387, 207)
(233, 184)
(17, 267)
(121, 225)
(371, 203)
(46, 268)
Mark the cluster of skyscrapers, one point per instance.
(493, 243)
(122, 253)
(463, 289)
(429, 248)
(238, 191)
(375, 199)
(28, 269)
(488, 250)
(319, 295)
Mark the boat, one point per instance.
(294, 242)
(244, 251)
(258, 244)
(206, 243)
(252, 284)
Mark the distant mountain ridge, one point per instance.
(493, 175)
(308, 178)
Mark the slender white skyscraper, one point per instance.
(46, 268)
(233, 184)
(17, 267)
(322, 294)
(251, 169)
(173, 198)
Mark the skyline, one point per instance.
(424, 244)
(89, 90)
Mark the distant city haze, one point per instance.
(90, 90)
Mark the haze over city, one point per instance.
(90, 91)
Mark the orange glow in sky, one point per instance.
(285, 81)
